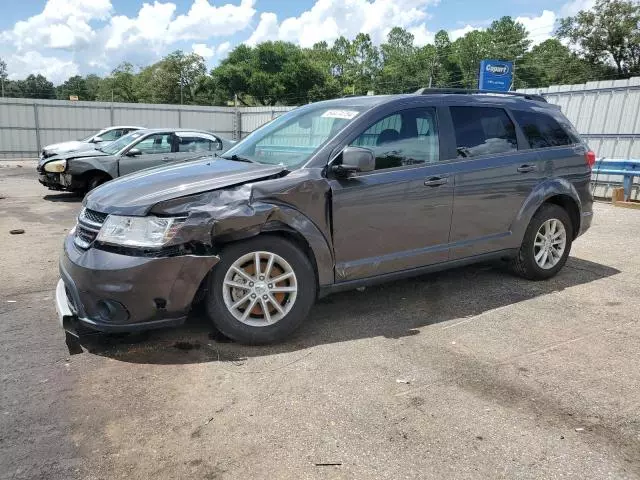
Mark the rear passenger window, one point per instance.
(483, 131)
(542, 130)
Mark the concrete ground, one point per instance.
(470, 373)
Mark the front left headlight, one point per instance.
(57, 166)
(139, 231)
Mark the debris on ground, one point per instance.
(329, 464)
(11, 301)
(403, 380)
(16, 231)
(579, 429)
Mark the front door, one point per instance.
(494, 175)
(155, 149)
(398, 216)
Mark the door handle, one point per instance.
(165, 159)
(435, 181)
(526, 168)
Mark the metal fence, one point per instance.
(27, 125)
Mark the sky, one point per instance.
(61, 38)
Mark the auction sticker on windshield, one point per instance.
(344, 114)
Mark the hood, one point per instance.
(63, 147)
(71, 155)
(135, 194)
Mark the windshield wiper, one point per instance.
(236, 158)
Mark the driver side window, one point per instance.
(409, 137)
(158, 143)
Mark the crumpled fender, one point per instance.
(221, 216)
(78, 166)
(540, 194)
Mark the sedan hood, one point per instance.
(71, 155)
(73, 146)
(135, 194)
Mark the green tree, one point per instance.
(269, 74)
(552, 63)
(509, 39)
(120, 85)
(37, 86)
(174, 79)
(3, 75)
(75, 85)
(467, 52)
(93, 83)
(607, 33)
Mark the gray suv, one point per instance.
(331, 196)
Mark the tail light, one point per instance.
(590, 158)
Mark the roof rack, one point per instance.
(466, 91)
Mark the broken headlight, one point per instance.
(139, 231)
(57, 166)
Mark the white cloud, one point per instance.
(203, 20)
(63, 24)
(203, 50)
(422, 35)
(461, 32)
(329, 19)
(32, 62)
(267, 29)
(574, 6)
(223, 49)
(540, 28)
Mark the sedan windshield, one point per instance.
(114, 147)
(293, 138)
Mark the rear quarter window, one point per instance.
(544, 131)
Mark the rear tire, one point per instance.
(242, 288)
(546, 244)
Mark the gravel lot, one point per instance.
(470, 373)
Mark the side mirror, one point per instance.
(134, 152)
(354, 160)
(97, 140)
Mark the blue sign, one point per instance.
(495, 75)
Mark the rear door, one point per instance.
(398, 216)
(155, 149)
(495, 172)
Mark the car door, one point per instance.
(398, 216)
(494, 174)
(150, 151)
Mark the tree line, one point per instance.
(602, 43)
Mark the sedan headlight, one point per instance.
(139, 231)
(57, 166)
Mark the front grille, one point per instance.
(89, 224)
(93, 216)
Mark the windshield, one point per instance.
(114, 147)
(293, 138)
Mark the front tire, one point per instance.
(261, 290)
(546, 244)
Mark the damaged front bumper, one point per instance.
(110, 292)
(60, 181)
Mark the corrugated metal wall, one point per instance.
(27, 125)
